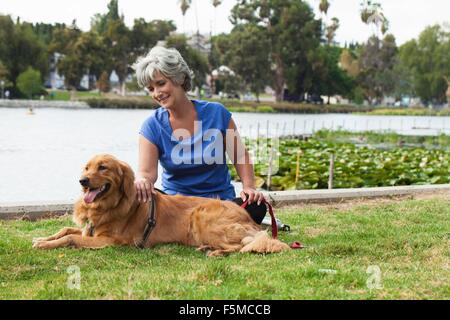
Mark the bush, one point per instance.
(128, 103)
(265, 109)
(289, 107)
(29, 82)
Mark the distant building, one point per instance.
(54, 80)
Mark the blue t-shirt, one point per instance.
(195, 166)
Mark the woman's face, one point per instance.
(164, 91)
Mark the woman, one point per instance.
(190, 138)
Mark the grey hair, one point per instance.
(167, 61)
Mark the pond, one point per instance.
(41, 155)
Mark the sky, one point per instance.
(407, 17)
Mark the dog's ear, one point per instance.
(127, 185)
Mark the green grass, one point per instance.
(409, 112)
(64, 95)
(389, 139)
(408, 240)
(258, 109)
(58, 95)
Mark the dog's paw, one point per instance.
(215, 253)
(38, 240)
(39, 244)
(203, 248)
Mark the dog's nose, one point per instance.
(84, 182)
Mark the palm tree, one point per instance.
(215, 3)
(323, 6)
(331, 30)
(184, 6)
(371, 13)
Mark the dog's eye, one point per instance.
(101, 168)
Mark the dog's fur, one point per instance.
(215, 226)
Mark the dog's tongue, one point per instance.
(89, 196)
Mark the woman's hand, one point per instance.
(252, 195)
(144, 189)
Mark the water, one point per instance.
(42, 155)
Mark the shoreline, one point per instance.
(39, 104)
(233, 106)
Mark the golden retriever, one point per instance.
(112, 215)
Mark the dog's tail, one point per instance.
(261, 242)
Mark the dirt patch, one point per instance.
(435, 195)
(349, 203)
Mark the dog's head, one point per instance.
(107, 180)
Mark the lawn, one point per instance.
(382, 249)
(64, 95)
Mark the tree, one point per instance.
(372, 13)
(44, 31)
(64, 38)
(293, 34)
(329, 28)
(71, 65)
(29, 82)
(349, 63)
(426, 62)
(323, 6)
(328, 78)
(99, 23)
(93, 53)
(3, 71)
(184, 6)
(145, 35)
(228, 81)
(83, 53)
(220, 45)
(247, 56)
(118, 40)
(103, 82)
(4, 76)
(20, 48)
(215, 3)
(376, 62)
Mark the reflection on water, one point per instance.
(41, 155)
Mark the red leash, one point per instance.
(295, 244)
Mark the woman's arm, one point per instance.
(148, 169)
(241, 160)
